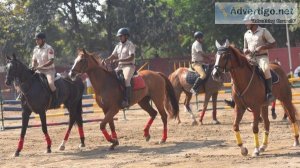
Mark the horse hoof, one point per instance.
(201, 123)
(62, 148)
(255, 154)
(215, 122)
(296, 143)
(262, 148)
(147, 138)
(274, 116)
(194, 123)
(17, 154)
(244, 151)
(82, 145)
(163, 141)
(115, 143)
(48, 151)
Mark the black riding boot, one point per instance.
(54, 98)
(196, 86)
(126, 100)
(230, 103)
(270, 97)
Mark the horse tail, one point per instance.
(170, 97)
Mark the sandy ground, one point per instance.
(187, 146)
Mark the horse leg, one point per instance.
(45, 131)
(291, 113)
(264, 114)
(109, 114)
(113, 134)
(214, 113)
(239, 112)
(256, 117)
(204, 107)
(274, 115)
(160, 107)
(188, 97)
(71, 123)
(25, 119)
(79, 122)
(145, 105)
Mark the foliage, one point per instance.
(157, 27)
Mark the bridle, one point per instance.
(224, 52)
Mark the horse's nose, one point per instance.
(214, 72)
(7, 82)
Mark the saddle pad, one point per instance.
(138, 82)
(275, 78)
(191, 77)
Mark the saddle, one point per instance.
(137, 82)
(260, 73)
(192, 75)
(45, 84)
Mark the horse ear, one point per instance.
(226, 45)
(14, 56)
(8, 58)
(218, 45)
(83, 50)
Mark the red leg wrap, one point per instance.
(147, 127)
(106, 135)
(114, 135)
(80, 130)
(67, 135)
(48, 140)
(202, 115)
(165, 133)
(273, 104)
(20, 145)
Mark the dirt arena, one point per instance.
(187, 146)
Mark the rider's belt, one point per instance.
(199, 62)
(127, 64)
(263, 54)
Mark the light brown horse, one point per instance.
(249, 93)
(109, 94)
(210, 89)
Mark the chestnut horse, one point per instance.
(248, 91)
(109, 94)
(210, 88)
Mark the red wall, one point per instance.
(282, 55)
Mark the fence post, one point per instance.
(2, 115)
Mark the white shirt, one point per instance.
(197, 52)
(124, 50)
(259, 38)
(43, 54)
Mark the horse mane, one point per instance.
(95, 57)
(241, 58)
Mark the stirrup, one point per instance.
(270, 98)
(193, 91)
(125, 104)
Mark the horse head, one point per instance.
(227, 58)
(12, 69)
(83, 63)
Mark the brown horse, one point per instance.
(210, 89)
(249, 93)
(109, 94)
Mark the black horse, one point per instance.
(36, 97)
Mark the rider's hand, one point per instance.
(115, 61)
(38, 68)
(247, 51)
(258, 49)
